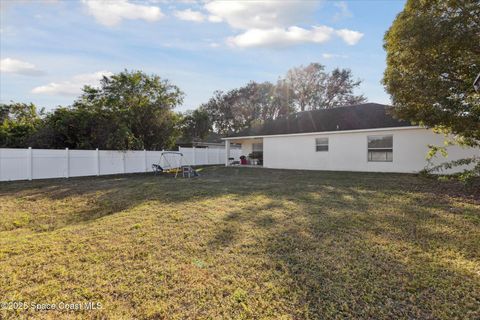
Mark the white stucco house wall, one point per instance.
(356, 138)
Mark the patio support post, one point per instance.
(227, 152)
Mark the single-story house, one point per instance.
(364, 137)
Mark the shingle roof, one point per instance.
(355, 117)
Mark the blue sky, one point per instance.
(49, 49)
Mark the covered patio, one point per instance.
(252, 151)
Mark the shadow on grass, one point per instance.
(365, 251)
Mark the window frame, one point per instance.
(322, 144)
(384, 149)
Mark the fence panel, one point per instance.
(14, 164)
(49, 163)
(188, 157)
(83, 163)
(134, 161)
(111, 162)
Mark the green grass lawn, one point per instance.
(244, 244)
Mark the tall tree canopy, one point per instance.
(433, 57)
(253, 103)
(303, 88)
(313, 88)
(136, 111)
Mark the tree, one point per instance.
(18, 121)
(313, 88)
(305, 83)
(303, 88)
(247, 106)
(195, 125)
(433, 57)
(219, 110)
(339, 89)
(130, 110)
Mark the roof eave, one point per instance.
(324, 132)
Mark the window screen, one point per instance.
(380, 148)
(321, 144)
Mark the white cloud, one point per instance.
(280, 37)
(214, 19)
(190, 15)
(9, 65)
(260, 14)
(273, 23)
(344, 12)
(111, 13)
(349, 36)
(74, 86)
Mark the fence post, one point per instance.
(124, 153)
(67, 160)
(30, 163)
(194, 156)
(219, 157)
(145, 159)
(97, 154)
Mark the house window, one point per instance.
(380, 148)
(321, 144)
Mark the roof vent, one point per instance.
(338, 127)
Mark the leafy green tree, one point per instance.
(140, 107)
(433, 57)
(18, 122)
(195, 125)
(221, 112)
(75, 128)
(129, 110)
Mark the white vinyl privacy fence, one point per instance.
(28, 164)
